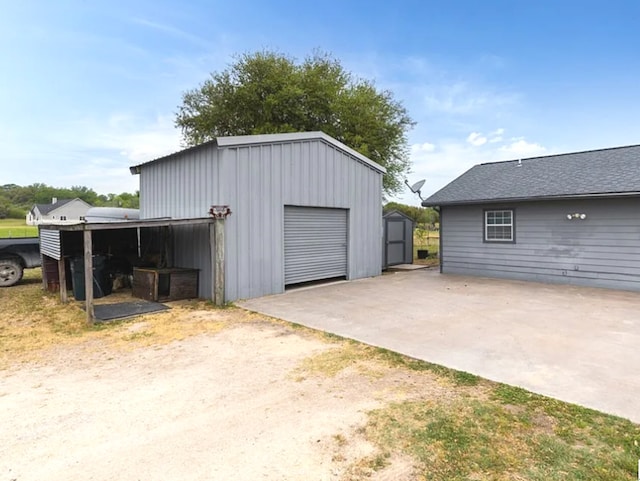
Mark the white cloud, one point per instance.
(520, 147)
(139, 142)
(419, 149)
(477, 139)
(462, 98)
(173, 32)
(449, 158)
(117, 143)
(93, 152)
(496, 136)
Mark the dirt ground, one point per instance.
(237, 404)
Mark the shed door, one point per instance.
(395, 241)
(315, 244)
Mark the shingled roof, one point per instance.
(46, 208)
(607, 172)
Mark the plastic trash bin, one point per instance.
(101, 281)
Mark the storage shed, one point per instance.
(398, 239)
(304, 207)
(571, 218)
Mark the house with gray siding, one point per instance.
(304, 207)
(571, 218)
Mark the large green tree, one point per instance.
(268, 92)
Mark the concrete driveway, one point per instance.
(577, 344)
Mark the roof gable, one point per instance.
(606, 172)
(46, 209)
(243, 140)
(397, 214)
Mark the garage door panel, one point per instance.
(315, 243)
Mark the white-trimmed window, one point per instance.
(499, 226)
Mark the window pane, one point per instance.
(499, 225)
(499, 233)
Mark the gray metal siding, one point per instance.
(191, 249)
(315, 244)
(257, 181)
(181, 188)
(602, 250)
(50, 243)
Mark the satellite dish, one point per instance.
(415, 188)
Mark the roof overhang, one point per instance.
(129, 224)
(603, 195)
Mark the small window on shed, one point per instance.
(499, 226)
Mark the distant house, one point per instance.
(63, 211)
(571, 218)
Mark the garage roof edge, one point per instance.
(242, 140)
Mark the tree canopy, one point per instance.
(268, 92)
(15, 200)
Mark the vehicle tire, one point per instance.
(10, 272)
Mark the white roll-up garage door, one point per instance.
(315, 244)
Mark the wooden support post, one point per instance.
(212, 256)
(219, 276)
(62, 278)
(88, 275)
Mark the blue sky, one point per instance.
(88, 88)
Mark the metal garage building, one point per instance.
(304, 207)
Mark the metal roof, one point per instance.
(127, 224)
(242, 140)
(595, 173)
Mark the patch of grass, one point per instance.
(487, 430)
(366, 467)
(10, 228)
(580, 427)
(475, 439)
(332, 361)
